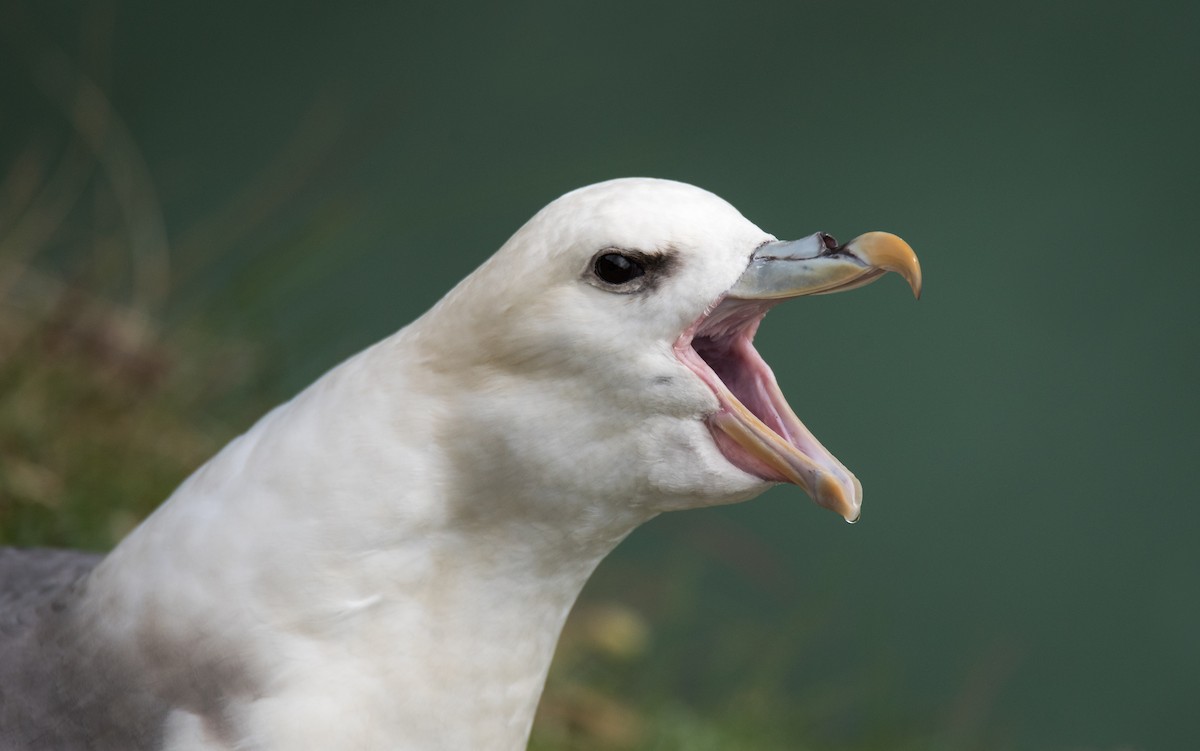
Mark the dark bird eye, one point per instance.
(615, 268)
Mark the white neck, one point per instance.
(366, 596)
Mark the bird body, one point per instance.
(387, 560)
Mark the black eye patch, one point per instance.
(621, 270)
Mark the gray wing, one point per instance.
(59, 690)
(30, 579)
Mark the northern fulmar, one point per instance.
(387, 560)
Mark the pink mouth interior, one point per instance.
(719, 348)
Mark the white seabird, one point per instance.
(386, 561)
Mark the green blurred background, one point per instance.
(205, 206)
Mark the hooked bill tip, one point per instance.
(886, 251)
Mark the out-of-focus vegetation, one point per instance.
(737, 690)
(105, 404)
(101, 414)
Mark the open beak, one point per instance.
(755, 428)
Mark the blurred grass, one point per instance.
(668, 682)
(101, 416)
(116, 383)
(105, 407)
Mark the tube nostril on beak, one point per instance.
(829, 241)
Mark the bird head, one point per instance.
(606, 350)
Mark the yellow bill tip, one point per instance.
(886, 251)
